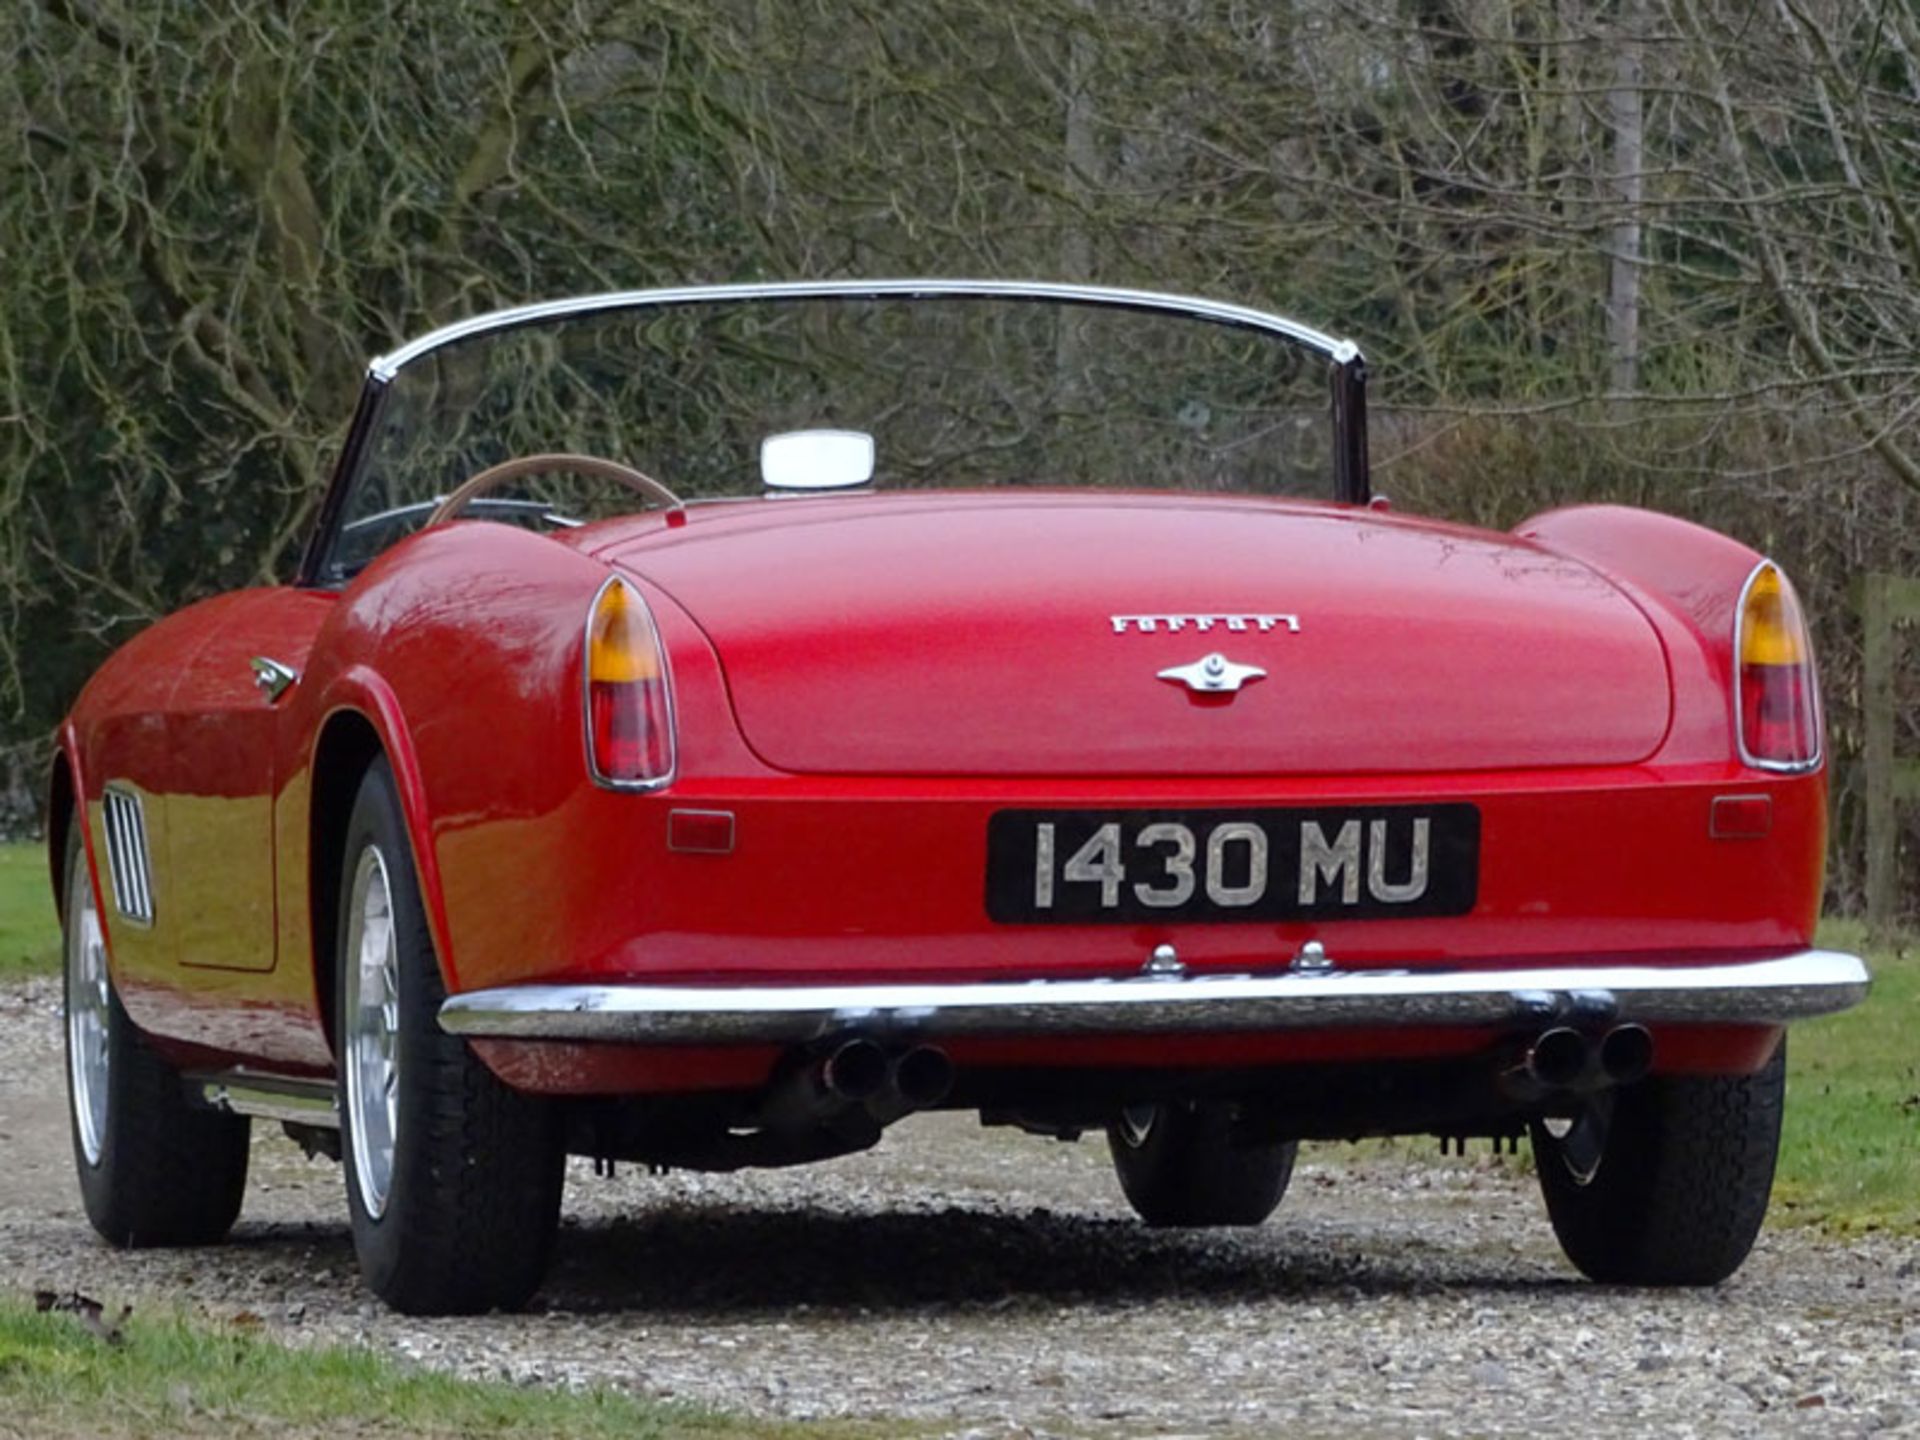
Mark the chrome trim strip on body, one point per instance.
(268, 1097)
(1340, 352)
(1767, 991)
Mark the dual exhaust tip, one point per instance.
(863, 1072)
(1564, 1058)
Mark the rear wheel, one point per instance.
(453, 1180)
(153, 1169)
(1671, 1187)
(1182, 1164)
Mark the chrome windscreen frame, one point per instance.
(1346, 367)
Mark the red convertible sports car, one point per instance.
(709, 725)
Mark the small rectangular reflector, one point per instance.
(1741, 817)
(700, 832)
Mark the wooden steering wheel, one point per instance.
(597, 467)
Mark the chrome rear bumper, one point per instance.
(1769, 991)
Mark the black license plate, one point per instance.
(1350, 861)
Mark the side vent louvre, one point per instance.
(127, 864)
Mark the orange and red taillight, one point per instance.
(1776, 693)
(629, 710)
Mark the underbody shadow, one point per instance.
(732, 1261)
(724, 1261)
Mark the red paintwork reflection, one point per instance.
(222, 732)
(890, 636)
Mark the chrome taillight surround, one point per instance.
(1811, 680)
(666, 706)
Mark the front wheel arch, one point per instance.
(62, 816)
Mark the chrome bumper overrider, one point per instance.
(1792, 987)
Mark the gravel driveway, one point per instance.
(990, 1284)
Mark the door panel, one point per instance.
(222, 730)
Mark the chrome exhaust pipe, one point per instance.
(1560, 1058)
(1626, 1054)
(923, 1076)
(857, 1071)
(856, 1086)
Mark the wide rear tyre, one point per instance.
(153, 1169)
(1182, 1165)
(1675, 1193)
(453, 1180)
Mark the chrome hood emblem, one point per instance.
(1213, 675)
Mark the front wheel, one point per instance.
(154, 1170)
(453, 1180)
(1182, 1164)
(1671, 1187)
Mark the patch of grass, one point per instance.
(29, 928)
(174, 1377)
(1850, 1155)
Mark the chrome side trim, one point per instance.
(1340, 352)
(129, 862)
(268, 1097)
(1770, 991)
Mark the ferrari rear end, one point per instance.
(1437, 751)
(1052, 724)
(994, 804)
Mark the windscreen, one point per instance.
(964, 392)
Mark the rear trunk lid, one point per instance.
(1023, 633)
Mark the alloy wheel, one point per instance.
(372, 1025)
(89, 1005)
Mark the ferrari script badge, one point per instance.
(1215, 675)
(1174, 624)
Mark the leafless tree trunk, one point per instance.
(1628, 185)
(1081, 177)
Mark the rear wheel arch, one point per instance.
(364, 727)
(347, 744)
